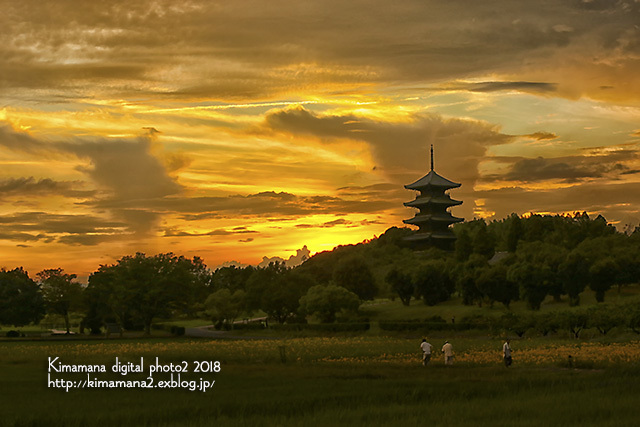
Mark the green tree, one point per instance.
(231, 277)
(547, 322)
(326, 301)
(532, 281)
(143, 288)
(433, 283)
(483, 241)
(574, 321)
(353, 273)
(61, 294)
(603, 275)
(514, 233)
(517, 323)
(492, 282)
(402, 284)
(633, 318)
(282, 297)
(604, 318)
(465, 276)
(573, 272)
(277, 290)
(21, 301)
(463, 245)
(224, 306)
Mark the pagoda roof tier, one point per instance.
(439, 235)
(444, 217)
(439, 200)
(432, 179)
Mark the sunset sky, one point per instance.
(235, 130)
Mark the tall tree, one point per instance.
(532, 280)
(224, 306)
(483, 241)
(603, 275)
(573, 272)
(463, 245)
(493, 283)
(402, 284)
(326, 301)
(433, 283)
(144, 288)
(354, 274)
(61, 294)
(514, 233)
(21, 300)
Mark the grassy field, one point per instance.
(332, 381)
(395, 311)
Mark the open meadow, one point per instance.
(358, 380)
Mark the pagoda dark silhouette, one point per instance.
(433, 219)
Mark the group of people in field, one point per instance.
(447, 351)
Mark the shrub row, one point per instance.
(424, 326)
(323, 327)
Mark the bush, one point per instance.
(424, 326)
(177, 330)
(323, 327)
(253, 326)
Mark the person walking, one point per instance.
(447, 350)
(426, 352)
(506, 353)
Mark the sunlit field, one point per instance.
(333, 381)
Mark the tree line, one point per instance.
(525, 259)
(516, 258)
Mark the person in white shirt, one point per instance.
(447, 350)
(426, 352)
(506, 353)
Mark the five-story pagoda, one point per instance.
(432, 219)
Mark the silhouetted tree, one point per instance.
(326, 301)
(433, 283)
(463, 245)
(353, 274)
(514, 233)
(532, 279)
(573, 272)
(21, 301)
(401, 283)
(61, 294)
(224, 306)
(492, 282)
(143, 288)
(603, 275)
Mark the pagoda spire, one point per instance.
(431, 156)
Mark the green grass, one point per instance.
(260, 390)
(394, 310)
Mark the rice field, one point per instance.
(331, 350)
(373, 381)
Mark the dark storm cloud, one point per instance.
(594, 163)
(533, 87)
(611, 200)
(261, 204)
(69, 229)
(542, 136)
(401, 148)
(329, 224)
(20, 141)
(219, 232)
(31, 187)
(226, 50)
(127, 172)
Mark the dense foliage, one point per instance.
(517, 258)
